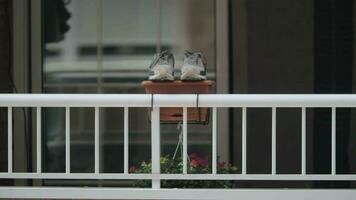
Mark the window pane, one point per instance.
(107, 49)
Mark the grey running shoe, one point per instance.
(194, 67)
(162, 67)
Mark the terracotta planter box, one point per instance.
(195, 115)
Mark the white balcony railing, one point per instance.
(214, 101)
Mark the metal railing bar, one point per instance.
(155, 145)
(126, 140)
(96, 141)
(274, 137)
(67, 138)
(333, 140)
(177, 100)
(303, 140)
(185, 140)
(9, 140)
(214, 141)
(173, 193)
(244, 141)
(39, 140)
(122, 176)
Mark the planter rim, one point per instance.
(179, 83)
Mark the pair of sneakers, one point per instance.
(193, 68)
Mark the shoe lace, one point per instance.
(195, 57)
(163, 57)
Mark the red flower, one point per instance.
(132, 169)
(221, 165)
(195, 163)
(204, 163)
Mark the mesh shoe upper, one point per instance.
(162, 67)
(194, 66)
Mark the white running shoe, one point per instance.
(194, 67)
(162, 67)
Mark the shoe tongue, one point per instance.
(164, 59)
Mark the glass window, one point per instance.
(106, 46)
(294, 47)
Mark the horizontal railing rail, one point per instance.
(178, 100)
(157, 101)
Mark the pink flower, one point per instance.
(204, 163)
(132, 169)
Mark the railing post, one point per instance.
(96, 141)
(155, 146)
(333, 140)
(185, 140)
(304, 141)
(9, 140)
(39, 139)
(67, 138)
(244, 142)
(274, 138)
(214, 141)
(126, 140)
